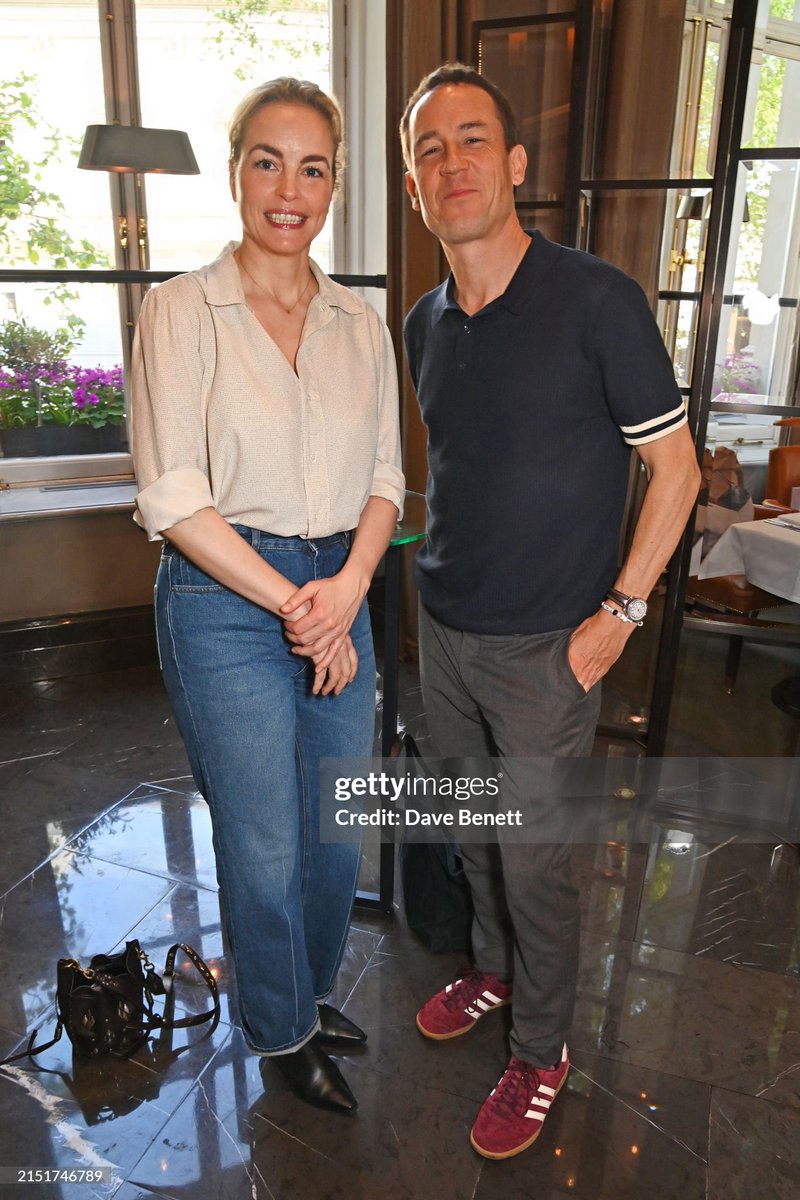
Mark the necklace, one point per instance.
(271, 294)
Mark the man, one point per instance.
(537, 368)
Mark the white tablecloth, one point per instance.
(768, 554)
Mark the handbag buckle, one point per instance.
(145, 960)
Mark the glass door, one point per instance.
(733, 648)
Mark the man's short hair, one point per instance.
(457, 72)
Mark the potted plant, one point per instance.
(49, 405)
(737, 375)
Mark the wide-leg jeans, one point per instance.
(255, 734)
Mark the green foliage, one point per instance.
(32, 228)
(738, 374)
(238, 34)
(21, 345)
(39, 387)
(783, 9)
(766, 120)
(768, 104)
(705, 117)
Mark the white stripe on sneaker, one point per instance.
(539, 1115)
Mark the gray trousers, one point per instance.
(515, 697)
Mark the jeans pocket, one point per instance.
(189, 578)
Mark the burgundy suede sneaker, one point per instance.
(512, 1117)
(457, 1007)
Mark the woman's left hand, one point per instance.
(339, 672)
(334, 603)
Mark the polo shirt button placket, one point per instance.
(462, 366)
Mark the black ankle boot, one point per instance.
(335, 1029)
(314, 1078)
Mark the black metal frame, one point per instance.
(580, 16)
(383, 899)
(734, 97)
(22, 275)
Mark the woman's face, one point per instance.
(283, 181)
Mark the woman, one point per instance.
(265, 440)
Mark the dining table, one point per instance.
(767, 552)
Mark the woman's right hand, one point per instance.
(340, 671)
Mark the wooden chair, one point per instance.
(788, 427)
(783, 473)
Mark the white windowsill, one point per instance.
(60, 498)
(56, 486)
(75, 468)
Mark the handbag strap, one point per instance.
(163, 984)
(211, 983)
(30, 1049)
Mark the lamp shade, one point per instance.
(132, 148)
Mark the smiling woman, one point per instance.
(266, 446)
(286, 140)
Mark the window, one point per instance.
(60, 342)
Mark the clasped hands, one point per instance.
(317, 620)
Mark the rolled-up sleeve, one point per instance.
(387, 477)
(168, 439)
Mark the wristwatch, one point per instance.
(633, 607)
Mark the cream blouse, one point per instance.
(219, 418)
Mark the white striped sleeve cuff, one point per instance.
(657, 427)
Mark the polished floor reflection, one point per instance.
(686, 1041)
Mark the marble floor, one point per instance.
(685, 1046)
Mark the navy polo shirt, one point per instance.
(531, 407)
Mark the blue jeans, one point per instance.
(255, 734)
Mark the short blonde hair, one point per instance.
(286, 90)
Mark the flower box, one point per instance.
(45, 440)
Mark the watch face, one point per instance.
(636, 609)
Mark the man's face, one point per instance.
(461, 176)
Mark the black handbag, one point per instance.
(436, 895)
(107, 1007)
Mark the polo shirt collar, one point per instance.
(224, 284)
(535, 264)
(444, 299)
